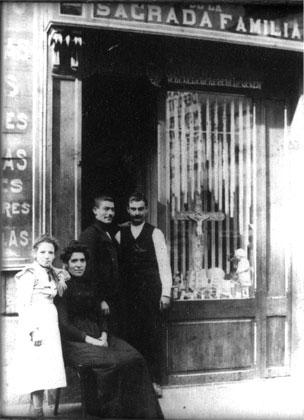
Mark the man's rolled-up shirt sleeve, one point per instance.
(163, 261)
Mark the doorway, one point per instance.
(119, 138)
(123, 117)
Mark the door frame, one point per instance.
(63, 121)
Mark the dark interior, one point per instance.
(115, 141)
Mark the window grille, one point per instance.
(212, 145)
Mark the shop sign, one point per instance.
(226, 82)
(16, 203)
(16, 150)
(192, 75)
(265, 22)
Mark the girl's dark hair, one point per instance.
(74, 246)
(46, 238)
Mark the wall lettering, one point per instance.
(16, 157)
(240, 19)
(11, 85)
(13, 208)
(17, 49)
(17, 162)
(15, 122)
(14, 239)
(12, 185)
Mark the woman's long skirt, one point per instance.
(117, 381)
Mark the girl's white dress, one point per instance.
(37, 367)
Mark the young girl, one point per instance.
(39, 362)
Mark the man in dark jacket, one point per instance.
(103, 263)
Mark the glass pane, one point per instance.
(212, 145)
(71, 9)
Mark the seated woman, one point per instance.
(117, 382)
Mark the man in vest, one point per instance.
(102, 268)
(147, 282)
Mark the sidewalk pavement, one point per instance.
(263, 399)
(276, 398)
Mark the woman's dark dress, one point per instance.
(118, 384)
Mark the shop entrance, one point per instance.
(118, 140)
(104, 133)
(192, 151)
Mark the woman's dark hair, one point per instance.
(74, 246)
(46, 238)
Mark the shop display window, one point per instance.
(211, 141)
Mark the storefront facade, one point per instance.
(197, 107)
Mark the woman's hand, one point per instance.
(94, 341)
(36, 338)
(104, 339)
